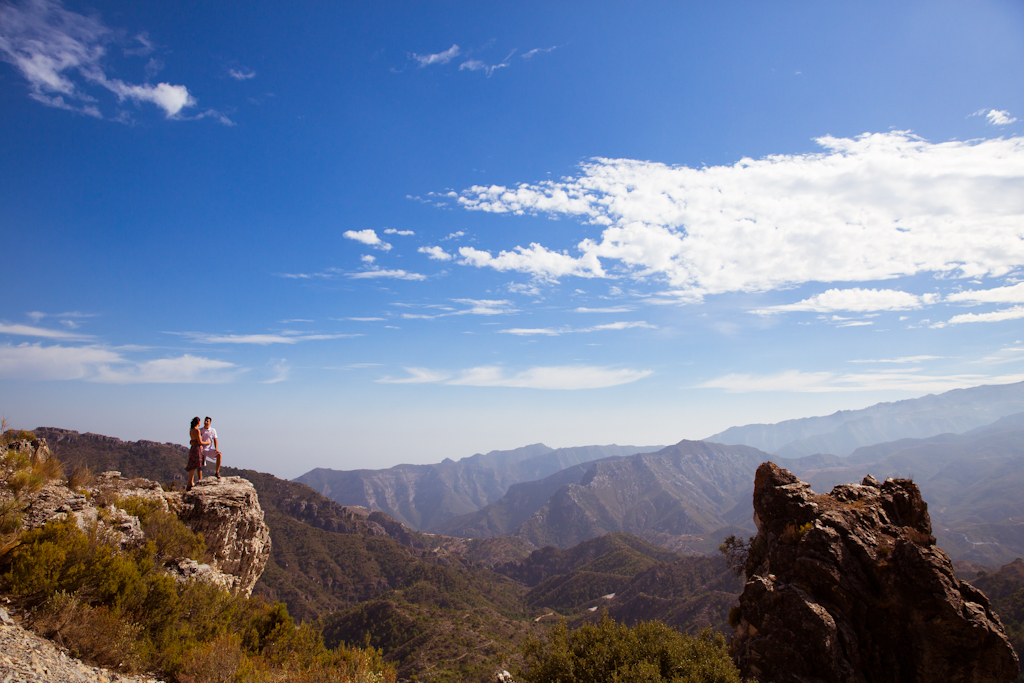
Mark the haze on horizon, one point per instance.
(376, 233)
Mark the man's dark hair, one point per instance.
(208, 418)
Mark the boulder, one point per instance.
(37, 449)
(850, 587)
(227, 512)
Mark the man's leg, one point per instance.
(218, 465)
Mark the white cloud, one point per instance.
(552, 331)
(538, 50)
(241, 74)
(904, 359)
(875, 207)
(453, 235)
(855, 299)
(485, 306)
(619, 326)
(489, 69)
(417, 376)
(437, 58)
(325, 274)
(41, 332)
(404, 233)
(530, 331)
(436, 253)
(280, 370)
(368, 236)
(59, 52)
(367, 258)
(566, 377)
(396, 274)
(366, 319)
(1013, 294)
(998, 117)
(828, 382)
(1014, 313)
(262, 339)
(610, 309)
(106, 365)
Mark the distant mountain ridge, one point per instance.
(843, 432)
(423, 496)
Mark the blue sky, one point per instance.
(359, 234)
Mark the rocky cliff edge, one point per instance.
(850, 587)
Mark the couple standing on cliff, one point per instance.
(203, 445)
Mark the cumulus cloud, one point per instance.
(60, 53)
(998, 117)
(855, 299)
(106, 365)
(565, 377)
(436, 253)
(875, 207)
(437, 58)
(242, 74)
(369, 237)
(392, 231)
(1013, 313)
(367, 258)
(828, 382)
(1011, 294)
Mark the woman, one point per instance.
(195, 454)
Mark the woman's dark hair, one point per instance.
(195, 421)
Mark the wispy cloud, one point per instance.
(279, 371)
(475, 307)
(404, 233)
(453, 235)
(324, 274)
(997, 117)
(438, 57)
(855, 299)
(609, 309)
(904, 359)
(553, 331)
(260, 339)
(106, 365)
(537, 51)
(41, 332)
(242, 74)
(875, 207)
(563, 377)
(829, 382)
(394, 274)
(489, 69)
(61, 54)
(368, 237)
(1013, 313)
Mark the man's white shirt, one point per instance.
(208, 435)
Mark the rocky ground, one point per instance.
(24, 656)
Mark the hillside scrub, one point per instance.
(649, 652)
(119, 609)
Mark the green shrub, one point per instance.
(170, 536)
(649, 652)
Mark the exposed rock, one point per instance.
(850, 587)
(227, 512)
(37, 449)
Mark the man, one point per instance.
(208, 433)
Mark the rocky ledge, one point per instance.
(850, 587)
(227, 512)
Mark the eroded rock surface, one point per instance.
(228, 514)
(850, 587)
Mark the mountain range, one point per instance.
(843, 432)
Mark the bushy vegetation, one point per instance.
(608, 652)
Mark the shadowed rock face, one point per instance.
(228, 514)
(850, 586)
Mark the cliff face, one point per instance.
(850, 586)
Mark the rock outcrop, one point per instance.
(850, 587)
(228, 514)
(37, 449)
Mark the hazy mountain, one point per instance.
(841, 433)
(423, 496)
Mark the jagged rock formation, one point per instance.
(850, 587)
(228, 514)
(37, 449)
